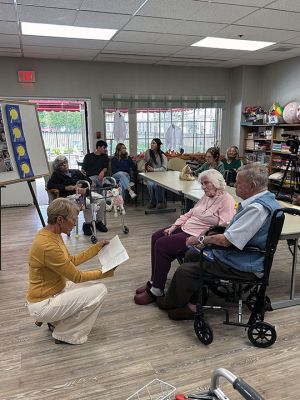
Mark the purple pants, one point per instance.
(164, 250)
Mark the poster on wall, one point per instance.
(18, 141)
(5, 163)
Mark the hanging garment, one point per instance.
(119, 127)
(174, 138)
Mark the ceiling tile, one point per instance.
(59, 56)
(69, 4)
(112, 56)
(10, 54)
(251, 33)
(163, 25)
(170, 9)
(9, 49)
(9, 27)
(195, 52)
(59, 50)
(100, 20)
(10, 39)
(254, 3)
(194, 10)
(122, 7)
(158, 38)
(7, 12)
(295, 40)
(46, 15)
(136, 48)
(272, 19)
(287, 5)
(63, 42)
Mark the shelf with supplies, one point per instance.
(265, 144)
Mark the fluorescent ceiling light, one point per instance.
(66, 31)
(232, 44)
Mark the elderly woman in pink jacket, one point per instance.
(216, 207)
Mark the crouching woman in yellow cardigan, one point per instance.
(59, 293)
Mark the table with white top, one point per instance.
(169, 180)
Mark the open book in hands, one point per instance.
(112, 255)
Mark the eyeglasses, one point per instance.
(63, 163)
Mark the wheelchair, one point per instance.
(260, 333)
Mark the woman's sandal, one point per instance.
(57, 341)
(50, 326)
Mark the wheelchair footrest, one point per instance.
(236, 324)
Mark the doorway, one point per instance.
(64, 131)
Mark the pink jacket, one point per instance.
(208, 212)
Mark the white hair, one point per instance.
(214, 177)
(59, 160)
(256, 172)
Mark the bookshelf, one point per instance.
(265, 144)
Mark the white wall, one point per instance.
(87, 80)
(281, 82)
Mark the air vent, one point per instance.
(281, 49)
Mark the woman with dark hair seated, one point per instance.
(216, 207)
(212, 157)
(121, 167)
(155, 161)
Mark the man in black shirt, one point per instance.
(65, 180)
(95, 164)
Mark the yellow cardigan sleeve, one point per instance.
(59, 260)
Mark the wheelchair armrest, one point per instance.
(215, 230)
(55, 192)
(233, 248)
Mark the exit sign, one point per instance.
(26, 76)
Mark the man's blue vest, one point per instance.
(250, 261)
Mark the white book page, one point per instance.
(112, 255)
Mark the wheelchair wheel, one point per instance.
(262, 334)
(125, 229)
(251, 299)
(203, 330)
(93, 239)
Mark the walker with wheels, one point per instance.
(113, 199)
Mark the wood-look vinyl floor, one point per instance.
(130, 345)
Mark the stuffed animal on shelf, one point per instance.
(186, 174)
(117, 202)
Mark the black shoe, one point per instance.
(87, 229)
(101, 227)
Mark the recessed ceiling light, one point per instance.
(232, 44)
(66, 31)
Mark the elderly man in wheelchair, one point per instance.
(240, 255)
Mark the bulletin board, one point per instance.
(22, 151)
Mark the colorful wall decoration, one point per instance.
(18, 141)
(5, 163)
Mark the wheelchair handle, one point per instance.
(292, 211)
(238, 384)
(246, 390)
(85, 182)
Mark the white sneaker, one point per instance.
(131, 184)
(132, 194)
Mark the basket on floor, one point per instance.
(154, 390)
